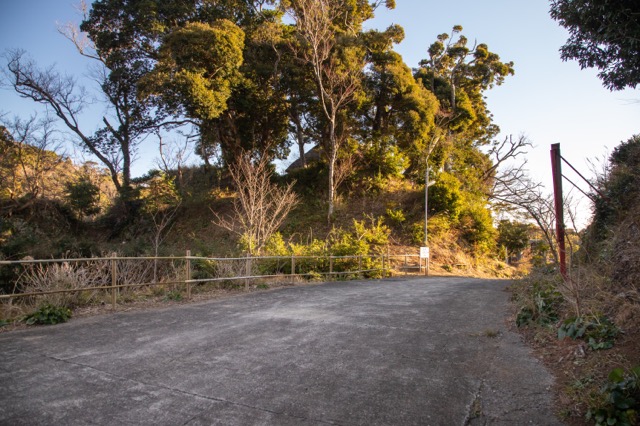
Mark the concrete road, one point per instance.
(432, 351)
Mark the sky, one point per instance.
(548, 100)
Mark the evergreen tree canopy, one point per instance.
(603, 34)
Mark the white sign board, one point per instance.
(424, 252)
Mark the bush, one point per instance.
(599, 332)
(65, 276)
(542, 306)
(622, 401)
(477, 227)
(83, 196)
(48, 315)
(513, 236)
(173, 295)
(445, 196)
(417, 233)
(396, 216)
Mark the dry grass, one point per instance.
(579, 371)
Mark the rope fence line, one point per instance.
(381, 264)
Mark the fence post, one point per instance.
(330, 267)
(293, 269)
(114, 280)
(247, 272)
(405, 264)
(188, 274)
(360, 266)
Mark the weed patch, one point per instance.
(622, 399)
(599, 332)
(48, 315)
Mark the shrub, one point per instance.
(598, 332)
(48, 315)
(541, 307)
(83, 196)
(477, 227)
(396, 216)
(445, 196)
(513, 236)
(417, 233)
(622, 395)
(65, 276)
(174, 295)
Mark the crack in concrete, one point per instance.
(474, 411)
(206, 397)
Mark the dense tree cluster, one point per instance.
(252, 78)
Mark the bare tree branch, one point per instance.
(260, 206)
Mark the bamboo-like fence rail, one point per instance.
(296, 267)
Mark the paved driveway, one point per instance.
(432, 351)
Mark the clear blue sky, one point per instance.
(548, 100)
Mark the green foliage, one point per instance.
(276, 246)
(514, 236)
(396, 216)
(310, 180)
(159, 193)
(196, 67)
(459, 76)
(16, 237)
(603, 34)
(417, 233)
(48, 315)
(445, 196)
(263, 286)
(83, 196)
(541, 307)
(621, 189)
(363, 238)
(173, 295)
(622, 404)
(385, 159)
(598, 332)
(477, 228)
(204, 268)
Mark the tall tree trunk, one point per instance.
(333, 155)
(300, 138)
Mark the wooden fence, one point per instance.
(114, 274)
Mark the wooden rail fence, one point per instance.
(209, 269)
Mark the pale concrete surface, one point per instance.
(390, 352)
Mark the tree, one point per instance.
(397, 116)
(523, 194)
(113, 144)
(260, 206)
(83, 196)
(513, 236)
(326, 32)
(603, 34)
(161, 204)
(28, 161)
(256, 119)
(459, 75)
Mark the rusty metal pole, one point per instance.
(556, 169)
